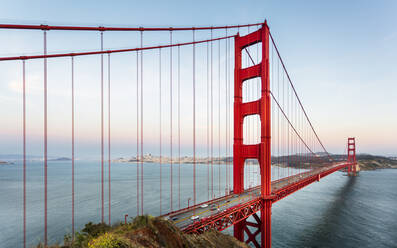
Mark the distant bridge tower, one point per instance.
(260, 151)
(351, 157)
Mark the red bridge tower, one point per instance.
(351, 156)
(260, 151)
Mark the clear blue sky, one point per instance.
(341, 55)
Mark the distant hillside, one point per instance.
(146, 231)
(366, 161)
(370, 162)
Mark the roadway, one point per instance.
(183, 218)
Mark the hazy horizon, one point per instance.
(342, 65)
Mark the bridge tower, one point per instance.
(351, 157)
(260, 151)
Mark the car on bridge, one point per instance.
(195, 217)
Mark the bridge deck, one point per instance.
(280, 189)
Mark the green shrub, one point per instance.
(108, 240)
(94, 230)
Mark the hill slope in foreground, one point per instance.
(145, 231)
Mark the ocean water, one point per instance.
(339, 211)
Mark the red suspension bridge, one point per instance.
(255, 152)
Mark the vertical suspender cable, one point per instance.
(212, 123)
(194, 119)
(230, 115)
(278, 121)
(219, 117)
(291, 116)
(179, 129)
(72, 61)
(226, 114)
(109, 158)
(295, 138)
(161, 141)
(302, 131)
(288, 132)
(208, 155)
(137, 133)
(141, 124)
(283, 127)
(272, 113)
(24, 152)
(258, 92)
(102, 134)
(45, 139)
(171, 120)
(248, 122)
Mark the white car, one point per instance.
(195, 217)
(204, 206)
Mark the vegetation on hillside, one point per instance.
(371, 162)
(144, 231)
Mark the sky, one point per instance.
(339, 54)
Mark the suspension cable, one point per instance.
(72, 70)
(45, 140)
(102, 29)
(212, 123)
(109, 155)
(219, 117)
(296, 94)
(141, 124)
(102, 137)
(137, 133)
(207, 129)
(58, 55)
(24, 151)
(179, 129)
(226, 115)
(194, 119)
(171, 120)
(160, 122)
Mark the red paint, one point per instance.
(24, 152)
(351, 156)
(45, 141)
(102, 29)
(260, 151)
(236, 216)
(58, 55)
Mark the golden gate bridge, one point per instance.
(253, 113)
